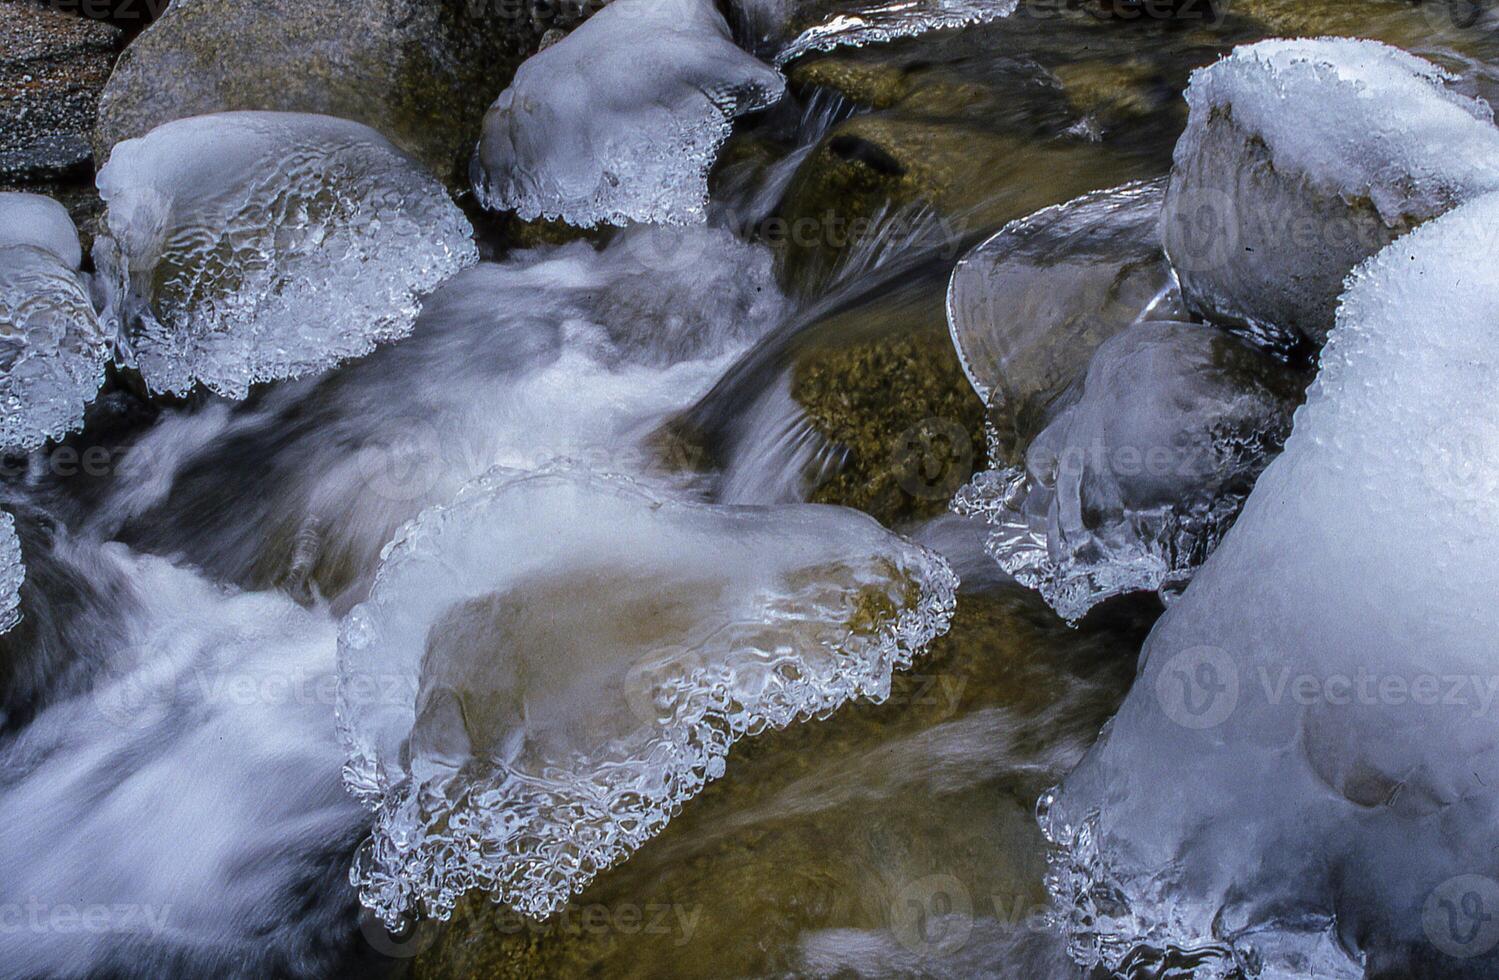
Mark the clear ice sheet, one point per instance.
(621, 120)
(1336, 828)
(823, 26)
(1135, 480)
(253, 246)
(586, 652)
(12, 573)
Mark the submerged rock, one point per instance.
(621, 120)
(251, 246)
(1302, 158)
(52, 346)
(1142, 469)
(420, 73)
(584, 654)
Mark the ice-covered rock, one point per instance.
(1306, 771)
(1136, 479)
(585, 653)
(792, 28)
(12, 573)
(1300, 159)
(1028, 307)
(52, 346)
(621, 120)
(252, 246)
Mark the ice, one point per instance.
(1028, 307)
(621, 120)
(12, 573)
(1135, 480)
(823, 26)
(1305, 771)
(52, 346)
(1303, 157)
(253, 246)
(586, 651)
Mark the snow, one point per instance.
(253, 246)
(1309, 757)
(621, 120)
(586, 651)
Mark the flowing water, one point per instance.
(172, 766)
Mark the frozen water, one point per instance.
(1300, 159)
(52, 346)
(1135, 480)
(37, 220)
(621, 120)
(1028, 307)
(12, 573)
(253, 246)
(586, 652)
(822, 26)
(1306, 770)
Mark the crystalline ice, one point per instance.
(1306, 769)
(1133, 483)
(822, 26)
(585, 653)
(52, 346)
(12, 573)
(1028, 307)
(1300, 159)
(621, 120)
(252, 246)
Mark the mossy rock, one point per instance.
(422, 73)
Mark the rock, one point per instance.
(54, 68)
(422, 73)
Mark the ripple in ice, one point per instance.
(585, 653)
(52, 346)
(621, 120)
(253, 246)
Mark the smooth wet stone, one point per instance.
(420, 73)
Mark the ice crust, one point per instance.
(860, 22)
(586, 652)
(1133, 483)
(1317, 834)
(52, 345)
(12, 573)
(254, 246)
(621, 120)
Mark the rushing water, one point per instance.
(172, 780)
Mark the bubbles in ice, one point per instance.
(585, 653)
(1306, 769)
(12, 573)
(52, 346)
(823, 26)
(251, 246)
(1134, 481)
(1300, 159)
(621, 120)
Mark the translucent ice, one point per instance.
(1028, 307)
(252, 246)
(1133, 483)
(585, 654)
(621, 120)
(52, 346)
(12, 573)
(1300, 159)
(819, 25)
(1305, 771)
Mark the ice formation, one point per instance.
(12, 573)
(1305, 773)
(1303, 157)
(1135, 480)
(52, 346)
(253, 246)
(585, 653)
(823, 26)
(621, 120)
(1028, 307)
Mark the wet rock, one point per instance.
(420, 73)
(53, 69)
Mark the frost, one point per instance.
(621, 120)
(1302, 158)
(586, 652)
(253, 246)
(1306, 770)
(52, 346)
(864, 22)
(12, 573)
(1133, 483)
